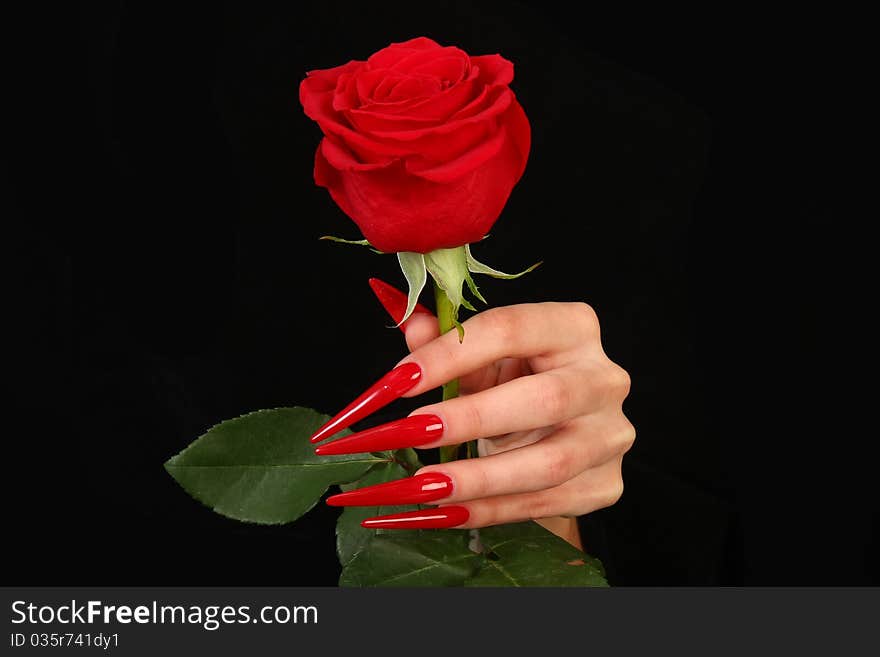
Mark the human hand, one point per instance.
(536, 389)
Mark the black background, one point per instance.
(166, 274)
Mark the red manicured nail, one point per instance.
(383, 392)
(442, 517)
(408, 432)
(420, 489)
(394, 301)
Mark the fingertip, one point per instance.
(420, 329)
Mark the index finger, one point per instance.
(520, 331)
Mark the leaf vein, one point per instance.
(504, 572)
(436, 564)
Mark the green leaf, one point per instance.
(408, 457)
(426, 558)
(333, 238)
(351, 538)
(526, 554)
(413, 267)
(261, 467)
(477, 267)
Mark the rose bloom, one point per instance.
(422, 143)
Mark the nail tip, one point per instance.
(446, 517)
(390, 387)
(319, 435)
(411, 431)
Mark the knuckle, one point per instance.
(628, 436)
(584, 316)
(556, 466)
(624, 381)
(478, 481)
(443, 352)
(554, 396)
(473, 419)
(618, 381)
(489, 514)
(502, 322)
(612, 494)
(540, 507)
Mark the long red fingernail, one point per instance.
(394, 301)
(383, 392)
(408, 432)
(420, 489)
(442, 517)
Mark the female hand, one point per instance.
(538, 392)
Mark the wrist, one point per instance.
(564, 527)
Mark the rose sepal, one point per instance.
(448, 268)
(415, 272)
(340, 240)
(451, 269)
(477, 267)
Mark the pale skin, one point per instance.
(545, 402)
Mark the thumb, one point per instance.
(420, 328)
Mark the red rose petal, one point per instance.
(368, 122)
(496, 103)
(448, 170)
(367, 83)
(387, 56)
(520, 135)
(345, 93)
(325, 79)
(449, 69)
(494, 69)
(374, 117)
(414, 87)
(438, 107)
(341, 158)
(417, 59)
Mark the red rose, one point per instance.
(422, 143)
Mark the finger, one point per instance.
(420, 329)
(523, 404)
(577, 446)
(522, 331)
(562, 455)
(591, 490)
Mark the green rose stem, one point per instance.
(446, 320)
